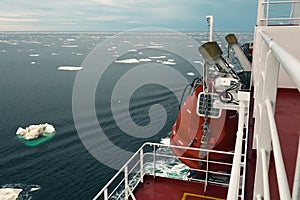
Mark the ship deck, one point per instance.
(287, 116)
(160, 188)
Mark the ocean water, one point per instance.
(33, 91)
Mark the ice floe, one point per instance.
(9, 193)
(198, 62)
(70, 46)
(132, 50)
(70, 39)
(17, 191)
(190, 73)
(157, 57)
(145, 60)
(128, 61)
(34, 55)
(168, 63)
(35, 131)
(70, 68)
(153, 47)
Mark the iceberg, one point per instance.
(35, 131)
(16, 191)
(9, 193)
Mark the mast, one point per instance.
(210, 21)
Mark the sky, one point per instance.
(122, 15)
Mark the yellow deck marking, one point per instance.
(198, 195)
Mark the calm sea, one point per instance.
(33, 91)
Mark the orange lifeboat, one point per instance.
(189, 131)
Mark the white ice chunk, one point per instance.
(128, 61)
(69, 68)
(70, 46)
(156, 57)
(191, 73)
(168, 63)
(35, 131)
(34, 55)
(9, 193)
(145, 60)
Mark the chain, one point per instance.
(205, 124)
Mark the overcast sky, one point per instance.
(122, 15)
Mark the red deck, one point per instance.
(164, 188)
(287, 116)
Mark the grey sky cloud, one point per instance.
(93, 15)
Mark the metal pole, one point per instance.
(142, 165)
(267, 14)
(210, 20)
(296, 187)
(154, 160)
(105, 194)
(284, 190)
(265, 175)
(126, 181)
(206, 173)
(235, 173)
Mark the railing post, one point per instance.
(154, 160)
(236, 166)
(206, 173)
(105, 194)
(296, 186)
(265, 170)
(267, 13)
(260, 13)
(126, 182)
(142, 165)
(284, 190)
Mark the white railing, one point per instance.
(234, 191)
(145, 161)
(272, 12)
(268, 58)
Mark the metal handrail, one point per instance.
(296, 186)
(284, 190)
(272, 56)
(287, 61)
(279, 2)
(235, 173)
(140, 153)
(265, 12)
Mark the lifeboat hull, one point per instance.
(188, 131)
